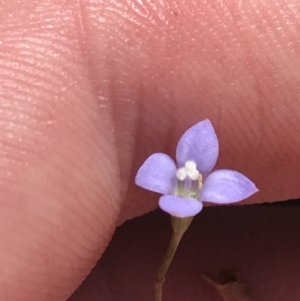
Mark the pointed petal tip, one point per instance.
(255, 189)
(252, 189)
(199, 143)
(180, 207)
(227, 187)
(207, 121)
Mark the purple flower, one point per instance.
(189, 183)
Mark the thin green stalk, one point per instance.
(179, 225)
(167, 260)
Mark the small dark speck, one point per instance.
(175, 14)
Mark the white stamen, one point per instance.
(191, 170)
(181, 174)
(190, 166)
(193, 175)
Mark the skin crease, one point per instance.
(90, 88)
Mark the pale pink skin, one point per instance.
(88, 89)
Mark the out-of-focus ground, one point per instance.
(261, 243)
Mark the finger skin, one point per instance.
(180, 62)
(89, 89)
(59, 178)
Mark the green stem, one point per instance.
(179, 225)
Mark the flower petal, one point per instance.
(226, 187)
(180, 207)
(157, 174)
(200, 144)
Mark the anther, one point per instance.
(194, 175)
(191, 170)
(200, 181)
(181, 174)
(190, 165)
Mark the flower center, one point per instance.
(189, 180)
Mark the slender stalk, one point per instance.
(179, 225)
(164, 267)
